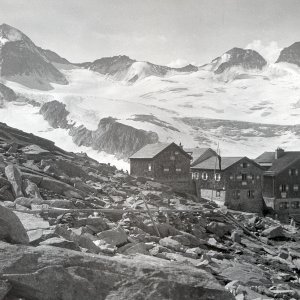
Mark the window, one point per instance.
(258, 177)
(204, 176)
(231, 177)
(236, 194)
(295, 204)
(296, 187)
(178, 169)
(244, 177)
(293, 172)
(218, 193)
(250, 194)
(284, 205)
(217, 176)
(172, 157)
(176, 152)
(166, 169)
(283, 188)
(244, 165)
(149, 167)
(250, 177)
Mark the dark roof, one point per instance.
(196, 152)
(266, 157)
(151, 150)
(211, 164)
(283, 162)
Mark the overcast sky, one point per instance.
(160, 31)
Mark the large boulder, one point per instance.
(32, 222)
(27, 202)
(61, 188)
(31, 190)
(11, 228)
(61, 242)
(219, 229)
(273, 232)
(13, 175)
(172, 244)
(52, 273)
(114, 237)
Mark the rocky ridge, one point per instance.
(123, 67)
(22, 61)
(110, 136)
(72, 228)
(290, 54)
(237, 57)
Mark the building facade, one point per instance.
(281, 186)
(233, 181)
(166, 163)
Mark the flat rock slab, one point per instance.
(52, 273)
(114, 237)
(246, 273)
(32, 222)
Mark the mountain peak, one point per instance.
(290, 54)
(9, 34)
(246, 58)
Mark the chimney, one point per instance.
(220, 162)
(180, 145)
(279, 152)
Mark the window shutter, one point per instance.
(296, 172)
(287, 187)
(280, 188)
(290, 172)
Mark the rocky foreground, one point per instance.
(72, 228)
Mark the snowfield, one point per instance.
(270, 96)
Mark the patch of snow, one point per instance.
(27, 118)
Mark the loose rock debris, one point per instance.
(72, 228)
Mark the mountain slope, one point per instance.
(53, 57)
(290, 54)
(22, 61)
(124, 68)
(191, 105)
(110, 136)
(237, 57)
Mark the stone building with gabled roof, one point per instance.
(234, 181)
(281, 184)
(164, 162)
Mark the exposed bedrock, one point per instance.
(111, 136)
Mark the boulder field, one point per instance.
(73, 228)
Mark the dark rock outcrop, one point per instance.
(119, 68)
(245, 58)
(22, 61)
(11, 228)
(6, 93)
(290, 54)
(53, 57)
(55, 113)
(110, 136)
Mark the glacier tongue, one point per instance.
(26, 117)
